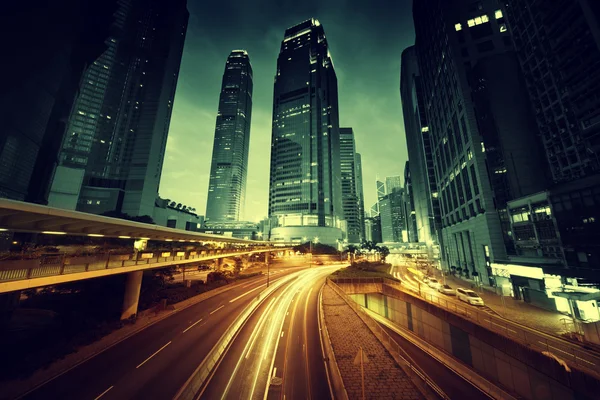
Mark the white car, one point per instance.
(446, 289)
(469, 296)
(433, 283)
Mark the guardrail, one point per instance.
(386, 339)
(62, 264)
(540, 341)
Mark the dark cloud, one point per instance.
(365, 39)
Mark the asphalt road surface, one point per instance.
(156, 362)
(277, 353)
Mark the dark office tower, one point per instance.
(112, 154)
(305, 185)
(360, 194)
(409, 205)
(558, 44)
(350, 201)
(418, 139)
(46, 47)
(483, 134)
(380, 189)
(227, 185)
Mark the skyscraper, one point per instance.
(48, 47)
(558, 45)
(418, 139)
(305, 185)
(381, 191)
(393, 183)
(360, 195)
(350, 200)
(393, 217)
(113, 151)
(227, 185)
(484, 139)
(409, 206)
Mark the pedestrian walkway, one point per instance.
(518, 311)
(383, 377)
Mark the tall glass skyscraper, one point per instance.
(305, 185)
(227, 185)
(350, 200)
(113, 150)
(360, 194)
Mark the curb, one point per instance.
(334, 376)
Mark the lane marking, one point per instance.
(191, 326)
(157, 351)
(281, 333)
(242, 295)
(103, 393)
(216, 309)
(274, 371)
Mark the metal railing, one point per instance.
(62, 264)
(538, 340)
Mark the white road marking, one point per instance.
(216, 309)
(281, 333)
(103, 393)
(157, 351)
(242, 295)
(274, 371)
(191, 326)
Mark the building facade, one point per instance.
(409, 206)
(229, 168)
(392, 215)
(393, 183)
(112, 154)
(305, 193)
(558, 45)
(175, 215)
(350, 192)
(360, 194)
(483, 133)
(425, 195)
(49, 47)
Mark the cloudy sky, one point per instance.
(366, 40)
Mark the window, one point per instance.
(458, 27)
(498, 14)
(503, 28)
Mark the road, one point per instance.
(156, 362)
(277, 354)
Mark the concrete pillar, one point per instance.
(218, 264)
(132, 294)
(8, 304)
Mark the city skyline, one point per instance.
(365, 95)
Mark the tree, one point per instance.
(146, 219)
(383, 252)
(237, 267)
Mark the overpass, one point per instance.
(52, 269)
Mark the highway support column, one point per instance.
(132, 294)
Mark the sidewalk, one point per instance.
(383, 377)
(516, 310)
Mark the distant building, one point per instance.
(175, 215)
(350, 192)
(305, 192)
(373, 229)
(484, 145)
(393, 183)
(360, 195)
(236, 229)
(229, 168)
(425, 195)
(393, 217)
(113, 151)
(381, 191)
(46, 48)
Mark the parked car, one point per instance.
(469, 296)
(446, 289)
(433, 283)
